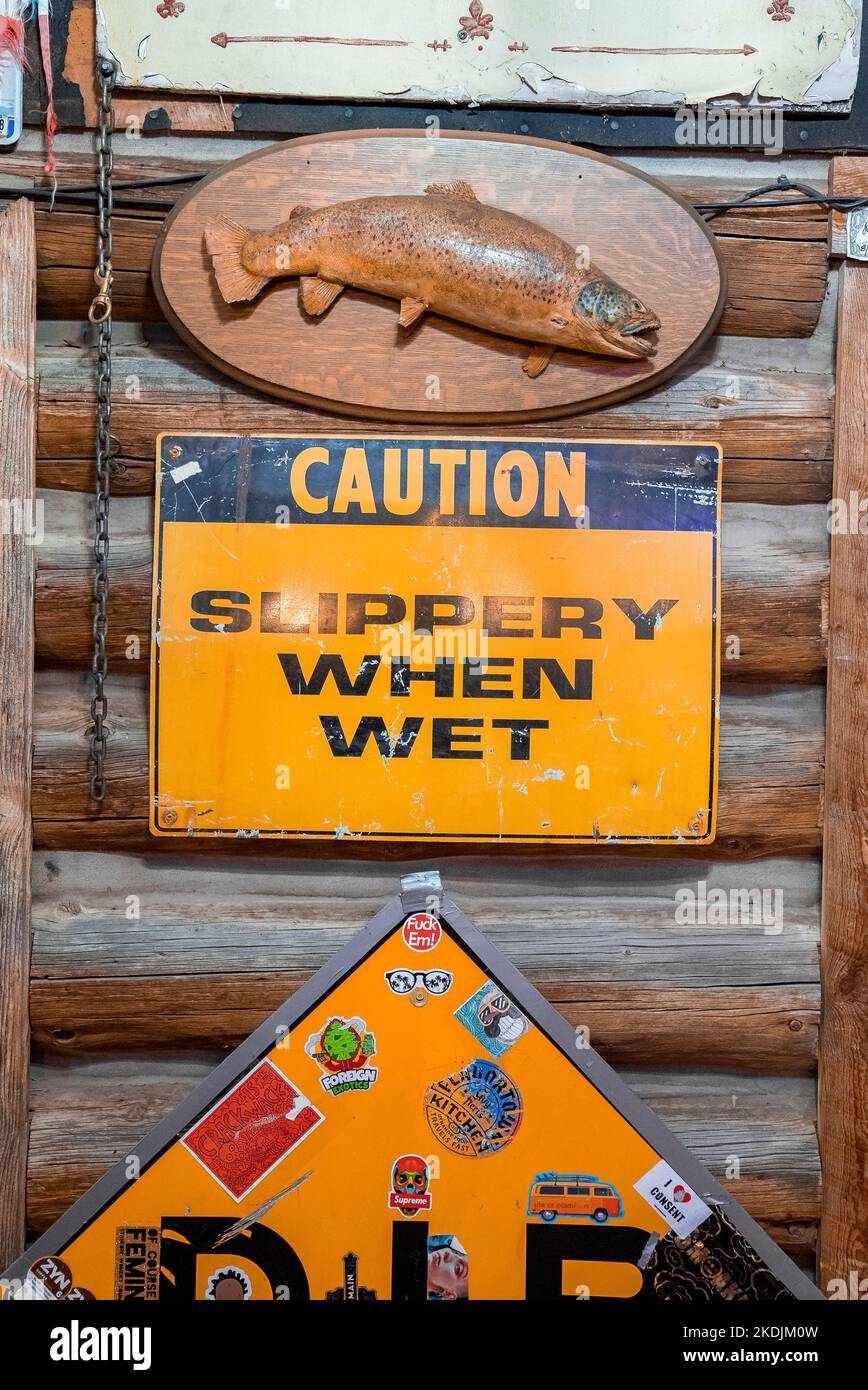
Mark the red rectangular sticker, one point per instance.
(251, 1129)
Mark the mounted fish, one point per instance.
(446, 252)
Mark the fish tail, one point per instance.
(225, 241)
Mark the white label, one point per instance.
(186, 470)
(681, 1208)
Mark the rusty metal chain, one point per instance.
(100, 314)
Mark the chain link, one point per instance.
(106, 446)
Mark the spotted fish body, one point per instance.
(446, 252)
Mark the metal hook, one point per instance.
(101, 305)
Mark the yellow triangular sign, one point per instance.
(416, 1123)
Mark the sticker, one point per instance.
(137, 1262)
(251, 1129)
(229, 1285)
(342, 1050)
(474, 1112)
(411, 1178)
(448, 1269)
(351, 1291)
(421, 931)
(50, 1278)
(186, 470)
(557, 1195)
(493, 1019)
(406, 980)
(712, 1264)
(681, 1208)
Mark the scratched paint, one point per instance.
(453, 639)
(565, 51)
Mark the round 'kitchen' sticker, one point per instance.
(475, 1111)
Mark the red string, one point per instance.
(50, 116)
(12, 40)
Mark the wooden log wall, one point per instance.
(149, 963)
(18, 528)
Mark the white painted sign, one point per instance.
(572, 52)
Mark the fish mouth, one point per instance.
(632, 337)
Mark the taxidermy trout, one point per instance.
(446, 252)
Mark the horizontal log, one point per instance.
(133, 953)
(771, 751)
(89, 1114)
(777, 266)
(774, 582)
(769, 1030)
(778, 481)
(600, 921)
(774, 422)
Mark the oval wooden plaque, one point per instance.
(356, 360)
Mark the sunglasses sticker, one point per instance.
(418, 983)
(493, 1019)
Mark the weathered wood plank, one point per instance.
(17, 492)
(843, 1113)
(846, 180)
(129, 953)
(777, 264)
(761, 302)
(777, 481)
(774, 580)
(87, 1115)
(770, 775)
(769, 1030)
(619, 917)
(755, 410)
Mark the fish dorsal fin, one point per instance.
(458, 189)
(411, 310)
(318, 295)
(538, 359)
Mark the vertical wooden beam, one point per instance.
(17, 485)
(843, 1117)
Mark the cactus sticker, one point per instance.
(342, 1049)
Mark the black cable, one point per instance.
(812, 198)
(87, 192)
(62, 195)
(83, 193)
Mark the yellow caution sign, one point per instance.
(453, 639)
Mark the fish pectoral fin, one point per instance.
(459, 189)
(318, 295)
(411, 310)
(538, 359)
